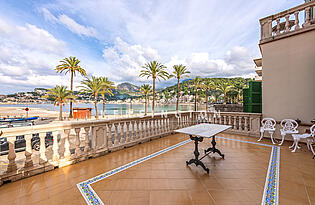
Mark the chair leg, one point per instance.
(296, 144)
(271, 133)
(282, 139)
(312, 150)
(261, 136)
(292, 144)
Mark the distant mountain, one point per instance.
(128, 88)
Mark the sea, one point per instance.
(110, 109)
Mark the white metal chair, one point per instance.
(268, 124)
(289, 126)
(310, 139)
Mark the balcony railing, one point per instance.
(77, 141)
(291, 21)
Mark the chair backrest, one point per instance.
(312, 129)
(289, 125)
(268, 123)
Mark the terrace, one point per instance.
(101, 153)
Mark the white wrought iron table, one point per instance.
(197, 133)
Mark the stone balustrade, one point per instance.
(77, 141)
(289, 22)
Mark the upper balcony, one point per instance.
(287, 23)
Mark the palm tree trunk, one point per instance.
(146, 103)
(224, 99)
(153, 96)
(95, 104)
(195, 99)
(103, 106)
(60, 111)
(177, 94)
(71, 88)
(206, 100)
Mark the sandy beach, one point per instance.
(6, 112)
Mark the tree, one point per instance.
(179, 72)
(155, 70)
(60, 95)
(196, 85)
(224, 87)
(107, 87)
(71, 65)
(92, 87)
(208, 85)
(146, 90)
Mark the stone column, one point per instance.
(42, 148)
(133, 137)
(296, 20)
(116, 141)
(11, 156)
(110, 137)
(67, 153)
(55, 146)
(28, 151)
(240, 123)
(87, 140)
(77, 142)
(128, 131)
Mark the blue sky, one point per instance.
(115, 38)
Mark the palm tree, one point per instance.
(71, 65)
(179, 72)
(196, 85)
(224, 87)
(107, 87)
(61, 95)
(93, 87)
(146, 90)
(208, 85)
(155, 70)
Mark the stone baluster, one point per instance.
(87, 140)
(246, 124)
(143, 129)
(122, 133)
(287, 23)
(116, 140)
(94, 139)
(105, 141)
(240, 123)
(77, 142)
(162, 125)
(55, 147)
(224, 120)
(230, 120)
(278, 26)
(149, 128)
(234, 123)
(138, 129)
(11, 156)
(42, 148)
(133, 136)
(67, 152)
(110, 136)
(307, 16)
(128, 131)
(28, 151)
(296, 22)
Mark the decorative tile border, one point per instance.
(271, 190)
(90, 195)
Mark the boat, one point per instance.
(18, 119)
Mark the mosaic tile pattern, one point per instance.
(89, 194)
(271, 190)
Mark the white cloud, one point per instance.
(77, 28)
(127, 60)
(71, 24)
(31, 37)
